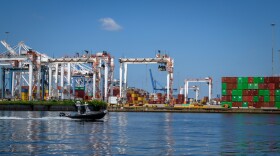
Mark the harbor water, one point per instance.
(139, 133)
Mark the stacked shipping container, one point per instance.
(25, 93)
(251, 91)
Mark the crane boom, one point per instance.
(7, 46)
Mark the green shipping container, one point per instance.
(245, 104)
(256, 99)
(277, 92)
(256, 86)
(79, 88)
(277, 98)
(224, 86)
(234, 98)
(266, 99)
(242, 86)
(224, 92)
(261, 92)
(242, 80)
(266, 93)
(277, 104)
(237, 92)
(258, 79)
(251, 86)
(239, 98)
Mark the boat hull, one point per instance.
(87, 116)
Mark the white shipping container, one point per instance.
(113, 100)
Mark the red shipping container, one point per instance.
(271, 104)
(225, 98)
(250, 98)
(224, 79)
(232, 79)
(229, 92)
(237, 104)
(231, 86)
(250, 92)
(255, 92)
(271, 86)
(245, 98)
(277, 85)
(265, 104)
(245, 92)
(250, 80)
(266, 79)
(271, 79)
(250, 104)
(255, 104)
(261, 99)
(263, 86)
(277, 79)
(272, 92)
(272, 98)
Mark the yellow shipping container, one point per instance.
(134, 95)
(24, 97)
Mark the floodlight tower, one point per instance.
(273, 42)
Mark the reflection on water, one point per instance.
(128, 133)
(251, 134)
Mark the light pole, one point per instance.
(279, 53)
(7, 34)
(273, 32)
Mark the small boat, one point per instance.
(84, 113)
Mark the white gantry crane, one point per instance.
(207, 80)
(87, 71)
(36, 71)
(196, 90)
(23, 66)
(165, 64)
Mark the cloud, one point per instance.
(109, 24)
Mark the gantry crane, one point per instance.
(207, 80)
(165, 64)
(28, 67)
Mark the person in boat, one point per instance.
(82, 108)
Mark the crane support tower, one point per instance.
(207, 80)
(165, 62)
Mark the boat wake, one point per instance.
(42, 118)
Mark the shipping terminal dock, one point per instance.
(29, 75)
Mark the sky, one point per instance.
(215, 38)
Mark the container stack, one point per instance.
(24, 93)
(157, 98)
(251, 91)
(79, 92)
(136, 97)
(180, 99)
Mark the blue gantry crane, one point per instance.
(155, 83)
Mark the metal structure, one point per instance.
(155, 83)
(196, 90)
(24, 67)
(165, 64)
(93, 72)
(207, 80)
